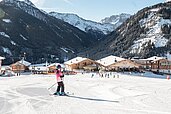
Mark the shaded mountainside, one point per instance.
(97, 30)
(144, 34)
(26, 29)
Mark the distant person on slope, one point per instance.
(59, 77)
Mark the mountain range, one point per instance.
(26, 31)
(116, 20)
(145, 34)
(97, 29)
(44, 36)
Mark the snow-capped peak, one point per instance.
(116, 20)
(27, 6)
(82, 24)
(28, 2)
(86, 25)
(168, 0)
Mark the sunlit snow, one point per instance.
(23, 37)
(4, 34)
(6, 50)
(13, 43)
(7, 20)
(154, 35)
(124, 94)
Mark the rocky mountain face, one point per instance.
(98, 30)
(144, 34)
(30, 32)
(116, 20)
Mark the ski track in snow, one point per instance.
(124, 95)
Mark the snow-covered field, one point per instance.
(128, 94)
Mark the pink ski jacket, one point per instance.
(58, 76)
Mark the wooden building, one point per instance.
(161, 66)
(156, 64)
(80, 63)
(147, 63)
(125, 65)
(109, 60)
(20, 66)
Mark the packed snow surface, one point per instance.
(126, 94)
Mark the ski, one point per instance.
(66, 94)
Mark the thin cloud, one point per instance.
(68, 1)
(46, 9)
(38, 2)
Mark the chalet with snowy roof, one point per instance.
(20, 66)
(147, 63)
(79, 63)
(162, 65)
(125, 65)
(107, 61)
(1, 58)
(156, 64)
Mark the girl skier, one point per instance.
(59, 78)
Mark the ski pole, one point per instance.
(51, 86)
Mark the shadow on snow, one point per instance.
(92, 99)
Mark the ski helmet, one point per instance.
(59, 66)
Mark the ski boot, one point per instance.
(57, 93)
(63, 94)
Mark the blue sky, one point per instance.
(94, 9)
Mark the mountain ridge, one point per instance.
(145, 34)
(97, 28)
(26, 29)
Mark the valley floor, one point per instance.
(128, 94)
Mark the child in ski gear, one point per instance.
(59, 78)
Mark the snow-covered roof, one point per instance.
(56, 64)
(168, 0)
(24, 62)
(109, 60)
(155, 58)
(1, 58)
(53, 64)
(75, 60)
